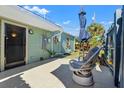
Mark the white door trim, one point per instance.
(2, 60)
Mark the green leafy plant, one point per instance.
(97, 32)
(51, 53)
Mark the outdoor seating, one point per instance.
(82, 70)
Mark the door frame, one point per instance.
(2, 59)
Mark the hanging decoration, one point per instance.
(68, 42)
(55, 39)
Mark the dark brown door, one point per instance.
(15, 42)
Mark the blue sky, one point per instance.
(67, 15)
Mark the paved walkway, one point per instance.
(52, 73)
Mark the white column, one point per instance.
(27, 48)
(2, 59)
(52, 43)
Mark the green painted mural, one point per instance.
(67, 43)
(63, 43)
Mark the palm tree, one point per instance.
(97, 32)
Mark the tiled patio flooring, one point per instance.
(52, 73)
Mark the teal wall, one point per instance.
(63, 43)
(57, 46)
(64, 37)
(35, 50)
(0, 42)
(72, 42)
(60, 47)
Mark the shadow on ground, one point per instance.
(14, 82)
(23, 68)
(102, 79)
(65, 76)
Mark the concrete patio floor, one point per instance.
(51, 73)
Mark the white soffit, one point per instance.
(21, 15)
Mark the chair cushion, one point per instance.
(76, 64)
